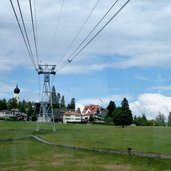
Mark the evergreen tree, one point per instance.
(111, 108)
(123, 115)
(69, 106)
(73, 104)
(30, 110)
(3, 104)
(109, 116)
(12, 104)
(127, 118)
(78, 110)
(22, 106)
(54, 97)
(58, 100)
(117, 116)
(135, 120)
(63, 106)
(169, 119)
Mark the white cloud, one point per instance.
(160, 88)
(5, 89)
(139, 77)
(151, 104)
(139, 36)
(134, 33)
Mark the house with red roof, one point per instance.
(92, 110)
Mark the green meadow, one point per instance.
(20, 152)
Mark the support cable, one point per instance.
(19, 25)
(35, 20)
(34, 34)
(78, 33)
(25, 30)
(57, 26)
(70, 60)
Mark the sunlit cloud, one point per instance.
(151, 104)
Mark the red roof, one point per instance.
(92, 109)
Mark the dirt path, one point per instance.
(142, 154)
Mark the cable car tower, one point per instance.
(46, 108)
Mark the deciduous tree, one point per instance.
(141, 121)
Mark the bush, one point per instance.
(34, 118)
(91, 119)
(108, 121)
(13, 118)
(2, 118)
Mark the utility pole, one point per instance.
(46, 113)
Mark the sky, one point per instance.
(130, 58)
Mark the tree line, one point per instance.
(160, 120)
(22, 106)
(58, 101)
(123, 116)
(30, 108)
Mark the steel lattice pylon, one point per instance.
(46, 109)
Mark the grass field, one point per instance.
(28, 154)
(140, 139)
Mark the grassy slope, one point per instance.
(32, 155)
(142, 139)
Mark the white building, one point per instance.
(5, 114)
(71, 117)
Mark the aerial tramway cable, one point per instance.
(35, 21)
(57, 26)
(34, 33)
(22, 33)
(74, 56)
(78, 33)
(69, 59)
(80, 47)
(100, 30)
(25, 30)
